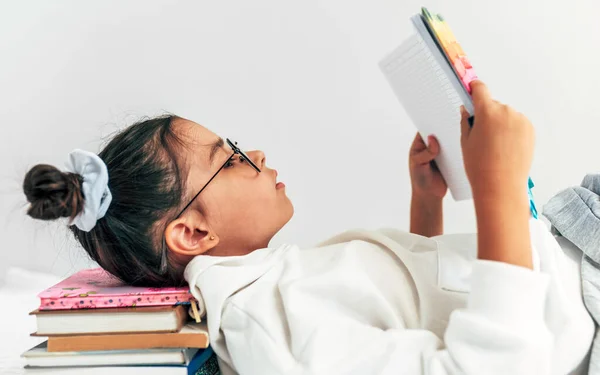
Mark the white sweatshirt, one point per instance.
(391, 302)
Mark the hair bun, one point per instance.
(52, 193)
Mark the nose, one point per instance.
(258, 157)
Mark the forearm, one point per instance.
(503, 227)
(426, 216)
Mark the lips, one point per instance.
(278, 185)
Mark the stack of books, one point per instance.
(95, 324)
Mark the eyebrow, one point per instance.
(214, 148)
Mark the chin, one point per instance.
(287, 214)
(290, 211)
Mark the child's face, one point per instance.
(241, 208)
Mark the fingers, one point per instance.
(429, 153)
(465, 128)
(423, 157)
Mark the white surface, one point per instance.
(18, 297)
(297, 79)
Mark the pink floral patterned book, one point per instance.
(95, 289)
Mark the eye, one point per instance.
(229, 163)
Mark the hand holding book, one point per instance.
(498, 149)
(431, 75)
(428, 188)
(426, 180)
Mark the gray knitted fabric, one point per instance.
(575, 214)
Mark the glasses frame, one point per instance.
(236, 151)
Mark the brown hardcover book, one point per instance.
(112, 320)
(190, 336)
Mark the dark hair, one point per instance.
(145, 182)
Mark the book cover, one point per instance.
(40, 357)
(95, 288)
(452, 50)
(204, 362)
(190, 336)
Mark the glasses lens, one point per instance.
(243, 155)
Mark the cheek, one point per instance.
(260, 205)
(243, 200)
(248, 209)
(257, 196)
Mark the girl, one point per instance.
(168, 201)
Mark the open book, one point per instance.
(430, 74)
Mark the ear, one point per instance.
(190, 235)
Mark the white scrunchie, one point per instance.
(95, 190)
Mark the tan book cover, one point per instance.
(192, 335)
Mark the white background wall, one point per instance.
(297, 79)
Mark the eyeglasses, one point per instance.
(236, 151)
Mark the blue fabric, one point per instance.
(532, 207)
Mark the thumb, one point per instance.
(465, 128)
(480, 94)
(434, 145)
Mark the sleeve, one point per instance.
(500, 331)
